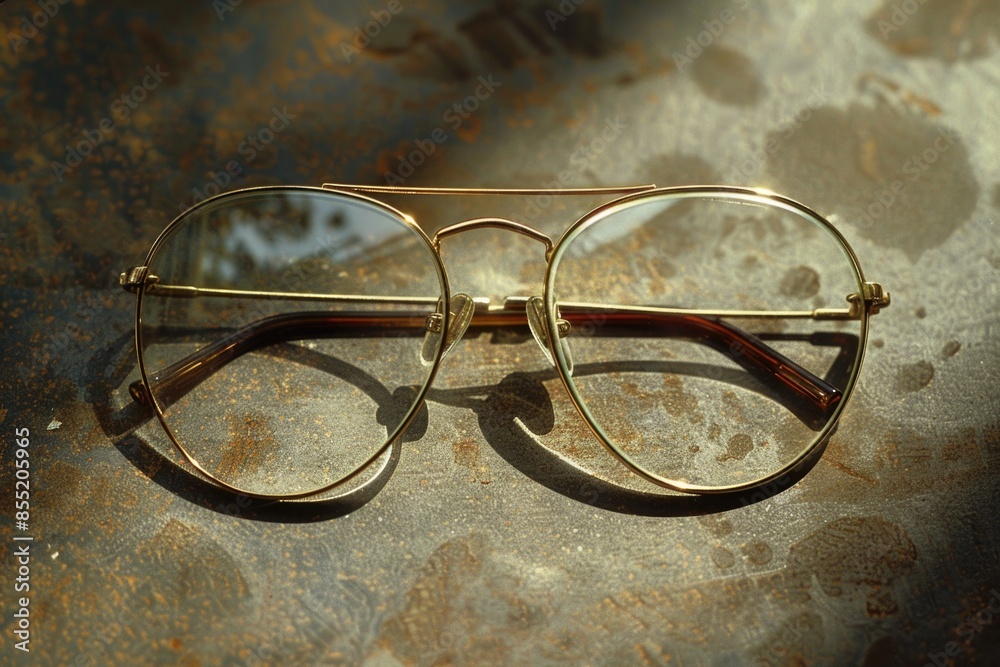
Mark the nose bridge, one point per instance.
(493, 223)
(462, 310)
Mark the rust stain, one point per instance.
(435, 56)
(727, 76)
(950, 349)
(687, 615)
(678, 169)
(627, 609)
(857, 556)
(718, 526)
(723, 558)
(757, 552)
(942, 29)
(847, 470)
(908, 96)
(438, 624)
(926, 163)
(492, 36)
(868, 159)
(678, 402)
(470, 129)
(913, 461)
(800, 282)
(191, 568)
(649, 659)
(914, 377)
(463, 607)
(644, 66)
(251, 446)
(467, 455)
(962, 447)
(883, 651)
(738, 447)
(796, 641)
(389, 160)
(733, 405)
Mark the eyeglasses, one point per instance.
(710, 336)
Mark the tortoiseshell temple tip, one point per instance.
(138, 393)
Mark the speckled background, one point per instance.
(479, 548)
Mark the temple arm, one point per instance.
(703, 326)
(754, 355)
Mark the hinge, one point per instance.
(873, 296)
(134, 278)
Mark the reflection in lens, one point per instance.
(281, 330)
(713, 398)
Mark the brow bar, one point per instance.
(523, 192)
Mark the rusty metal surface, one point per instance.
(479, 547)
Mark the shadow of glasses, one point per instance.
(520, 407)
(509, 413)
(111, 367)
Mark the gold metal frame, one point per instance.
(542, 314)
(868, 300)
(136, 280)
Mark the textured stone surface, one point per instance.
(483, 546)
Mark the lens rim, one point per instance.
(737, 194)
(444, 298)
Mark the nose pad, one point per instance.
(460, 313)
(535, 308)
